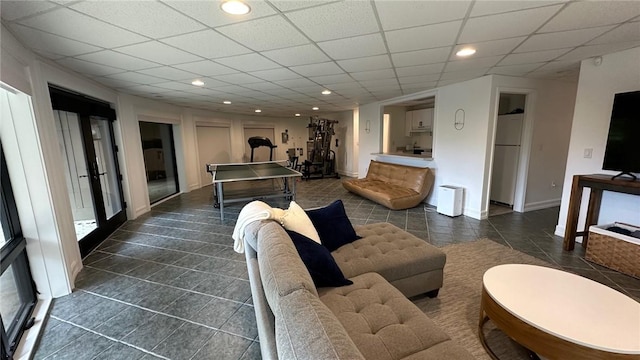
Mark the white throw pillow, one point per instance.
(295, 219)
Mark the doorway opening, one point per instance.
(160, 164)
(214, 147)
(506, 154)
(86, 140)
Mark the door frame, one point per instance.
(525, 146)
(86, 108)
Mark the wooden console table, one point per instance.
(597, 183)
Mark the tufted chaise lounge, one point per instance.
(408, 263)
(370, 319)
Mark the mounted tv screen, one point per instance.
(623, 143)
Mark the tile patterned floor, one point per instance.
(169, 285)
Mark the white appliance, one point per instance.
(450, 200)
(505, 158)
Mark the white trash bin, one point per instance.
(450, 200)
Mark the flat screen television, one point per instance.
(623, 143)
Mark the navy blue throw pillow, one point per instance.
(333, 225)
(319, 261)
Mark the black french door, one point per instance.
(87, 144)
(17, 290)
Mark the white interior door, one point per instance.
(214, 147)
(260, 153)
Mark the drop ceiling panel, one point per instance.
(288, 5)
(12, 10)
(420, 70)
(490, 48)
(561, 40)
(295, 83)
(51, 43)
(359, 46)
(248, 62)
(472, 63)
(490, 7)
(263, 86)
(298, 55)
(418, 79)
(118, 60)
(115, 83)
(584, 52)
(332, 79)
(335, 21)
(269, 33)
(209, 13)
(101, 34)
(585, 14)
(88, 68)
(517, 23)
(515, 70)
(169, 73)
(276, 74)
(366, 63)
(403, 14)
(207, 44)
(623, 33)
(206, 68)
(533, 57)
(413, 88)
(374, 74)
(239, 78)
(175, 85)
(148, 18)
(136, 78)
(423, 37)
(159, 52)
(466, 74)
(421, 57)
(327, 68)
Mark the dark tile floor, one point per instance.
(169, 285)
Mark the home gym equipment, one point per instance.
(257, 141)
(321, 160)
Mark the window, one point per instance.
(17, 289)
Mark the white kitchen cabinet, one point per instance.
(418, 121)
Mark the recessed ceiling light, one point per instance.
(258, 110)
(297, 114)
(235, 7)
(315, 108)
(197, 82)
(326, 92)
(466, 52)
(227, 102)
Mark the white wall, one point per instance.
(619, 72)
(464, 157)
(397, 138)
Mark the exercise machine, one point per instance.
(257, 141)
(321, 160)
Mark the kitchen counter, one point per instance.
(424, 156)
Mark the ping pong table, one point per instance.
(228, 173)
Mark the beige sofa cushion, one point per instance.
(384, 324)
(307, 329)
(386, 249)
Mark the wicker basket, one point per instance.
(613, 250)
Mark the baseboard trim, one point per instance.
(539, 205)
(348, 173)
(478, 215)
(559, 230)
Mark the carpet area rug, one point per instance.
(457, 307)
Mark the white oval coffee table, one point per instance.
(559, 315)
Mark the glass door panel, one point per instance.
(109, 181)
(159, 160)
(77, 172)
